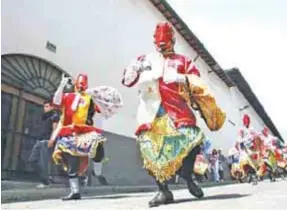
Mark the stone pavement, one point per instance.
(20, 191)
(263, 196)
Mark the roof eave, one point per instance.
(191, 39)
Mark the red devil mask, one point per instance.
(81, 83)
(164, 37)
(246, 120)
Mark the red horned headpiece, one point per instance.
(81, 83)
(164, 37)
(246, 120)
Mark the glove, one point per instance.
(146, 65)
(172, 76)
(57, 100)
(64, 81)
(137, 67)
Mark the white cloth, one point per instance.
(149, 96)
(107, 98)
(97, 168)
(171, 75)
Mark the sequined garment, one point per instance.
(164, 147)
(83, 146)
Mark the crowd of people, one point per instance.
(254, 156)
(170, 141)
(209, 167)
(257, 154)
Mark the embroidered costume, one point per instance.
(77, 139)
(250, 146)
(169, 87)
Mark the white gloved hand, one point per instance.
(146, 65)
(136, 66)
(64, 81)
(57, 99)
(172, 76)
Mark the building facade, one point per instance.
(43, 39)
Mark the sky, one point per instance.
(250, 35)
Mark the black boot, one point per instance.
(271, 176)
(187, 171)
(164, 196)
(83, 181)
(194, 189)
(254, 179)
(75, 190)
(103, 180)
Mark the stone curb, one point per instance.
(9, 196)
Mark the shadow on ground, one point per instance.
(213, 197)
(110, 197)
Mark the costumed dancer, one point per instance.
(249, 144)
(167, 133)
(284, 152)
(76, 140)
(236, 171)
(273, 155)
(201, 162)
(270, 155)
(200, 167)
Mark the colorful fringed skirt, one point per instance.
(164, 147)
(83, 146)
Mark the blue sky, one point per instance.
(250, 35)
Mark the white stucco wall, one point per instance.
(100, 38)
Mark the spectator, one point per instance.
(41, 153)
(230, 162)
(205, 175)
(222, 161)
(214, 164)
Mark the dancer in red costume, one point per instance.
(273, 155)
(250, 145)
(76, 138)
(168, 136)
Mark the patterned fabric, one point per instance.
(81, 145)
(239, 166)
(75, 107)
(237, 171)
(203, 100)
(84, 146)
(108, 99)
(200, 165)
(164, 147)
(270, 159)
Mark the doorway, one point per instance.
(26, 81)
